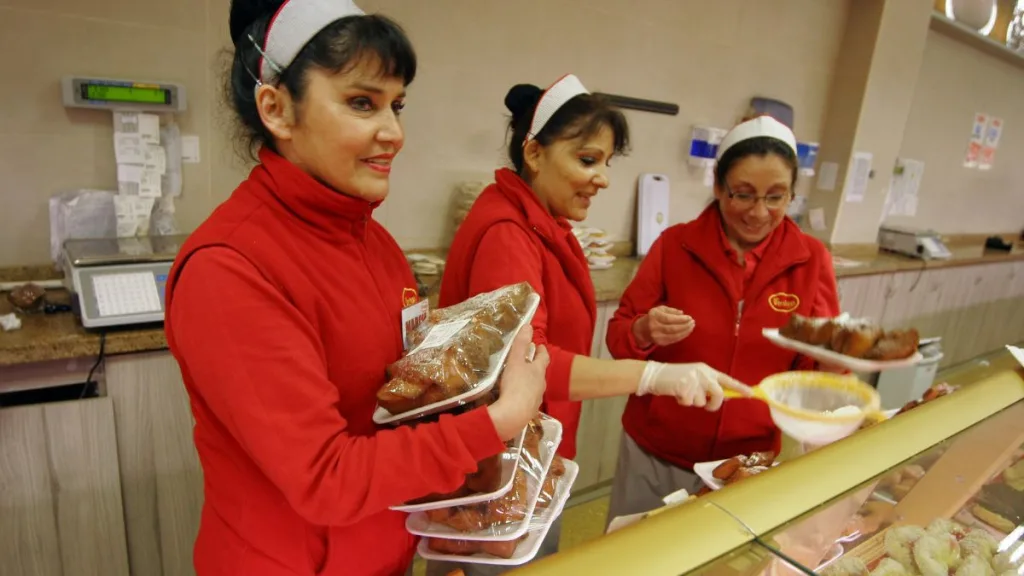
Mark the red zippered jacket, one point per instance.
(283, 310)
(508, 237)
(687, 268)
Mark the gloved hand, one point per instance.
(695, 384)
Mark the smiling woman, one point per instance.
(703, 294)
(561, 145)
(284, 309)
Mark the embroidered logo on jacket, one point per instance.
(783, 302)
(410, 296)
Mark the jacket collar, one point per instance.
(784, 248)
(556, 233)
(325, 209)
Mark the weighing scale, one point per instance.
(119, 281)
(924, 244)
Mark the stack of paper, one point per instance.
(596, 244)
(144, 177)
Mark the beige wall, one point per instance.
(955, 82)
(709, 57)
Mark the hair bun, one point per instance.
(522, 99)
(245, 12)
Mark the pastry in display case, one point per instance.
(936, 491)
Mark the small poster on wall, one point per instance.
(977, 138)
(988, 147)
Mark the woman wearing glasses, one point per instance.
(703, 294)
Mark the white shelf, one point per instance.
(964, 34)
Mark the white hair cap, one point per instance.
(293, 26)
(566, 88)
(754, 128)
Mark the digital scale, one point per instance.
(126, 95)
(119, 281)
(924, 244)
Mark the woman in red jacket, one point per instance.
(284, 308)
(703, 294)
(562, 140)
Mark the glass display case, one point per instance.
(938, 490)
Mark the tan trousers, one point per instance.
(642, 480)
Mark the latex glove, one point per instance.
(662, 326)
(695, 384)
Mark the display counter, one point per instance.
(958, 457)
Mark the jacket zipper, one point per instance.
(739, 316)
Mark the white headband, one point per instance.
(293, 26)
(566, 88)
(757, 127)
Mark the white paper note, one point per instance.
(149, 128)
(190, 148)
(156, 159)
(903, 188)
(149, 184)
(827, 173)
(129, 179)
(993, 131)
(817, 217)
(124, 210)
(976, 139)
(129, 149)
(857, 176)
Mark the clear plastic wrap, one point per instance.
(507, 517)
(512, 552)
(456, 354)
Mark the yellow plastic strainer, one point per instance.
(817, 407)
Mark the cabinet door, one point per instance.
(60, 493)
(160, 472)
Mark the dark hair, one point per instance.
(583, 116)
(759, 146)
(337, 48)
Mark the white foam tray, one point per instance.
(528, 548)
(509, 466)
(420, 525)
(834, 358)
(483, 386)
(706, 472)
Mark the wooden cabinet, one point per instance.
(975, 309)
(597, 440)
(61, 511)
(160, 475)
(108, 485)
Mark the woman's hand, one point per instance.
(662, 326)
(696, 384)
(521, 386)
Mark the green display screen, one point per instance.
(136, 94)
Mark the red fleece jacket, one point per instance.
(508, 237)
(284, 309)
(688, 269)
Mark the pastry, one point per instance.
(992, 519)
(974, 566)
(505, 549)
(856, 338)
(726, 469)
(895, 345)
(899, 543)
(847, 566)
(936, 555)
(890, 567)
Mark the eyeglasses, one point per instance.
(746, 200)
